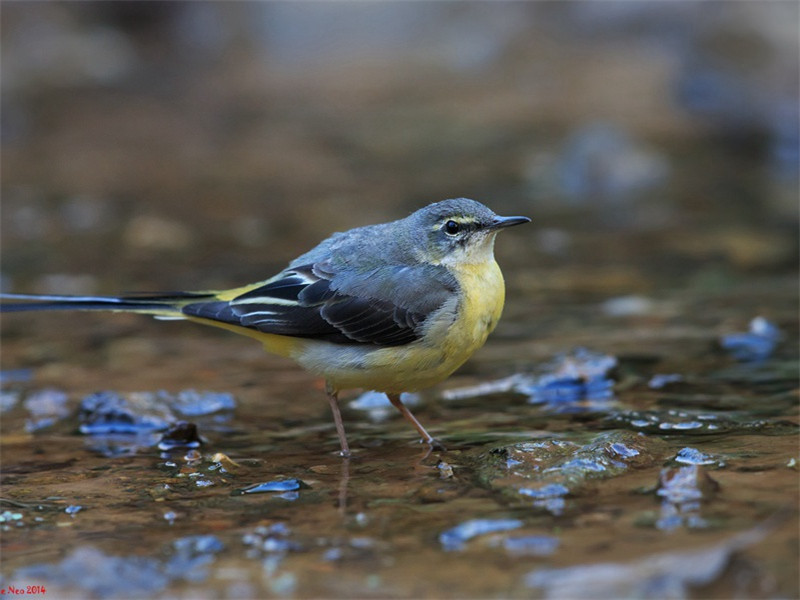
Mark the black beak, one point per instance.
(499, 222)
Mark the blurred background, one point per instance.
(172, 145)
(150, 146)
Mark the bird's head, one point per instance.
(458, 231)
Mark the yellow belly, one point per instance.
(451, 337)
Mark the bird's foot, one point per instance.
(434, 444)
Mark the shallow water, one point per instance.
(629, 430)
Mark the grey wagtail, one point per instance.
(393, 307)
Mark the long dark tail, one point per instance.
(160, 304)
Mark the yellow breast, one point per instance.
(452, 335)
(483, 296)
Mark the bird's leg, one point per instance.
(333, 398)
(426, 437)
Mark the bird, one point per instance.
(393, 307)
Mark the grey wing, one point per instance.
(385, 307)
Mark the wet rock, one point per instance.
(756, 344)
(692, 456)
(180, 435)
(109, 412)
(545, 473)
(109, 417)
(457, 537)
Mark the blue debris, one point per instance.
(73, 509)
(571, 377)
(692, 456)
(755, 345)
(623, 450)
(279, 485)
(457, 537)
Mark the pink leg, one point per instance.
(333, 398)
(426, 437)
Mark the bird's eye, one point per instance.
(452, 228)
